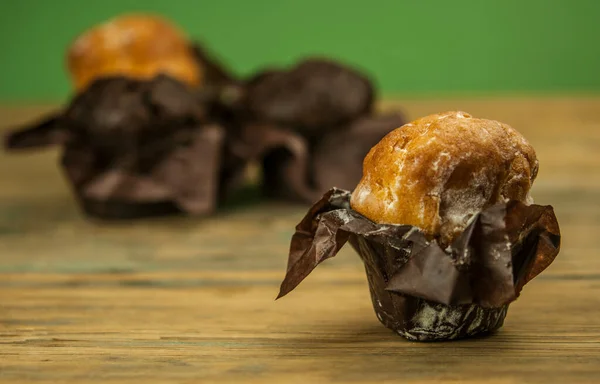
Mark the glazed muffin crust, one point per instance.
(440, 170)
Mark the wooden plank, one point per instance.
(192, 300)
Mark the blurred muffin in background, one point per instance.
(136, 45)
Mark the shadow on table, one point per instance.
(364, 350)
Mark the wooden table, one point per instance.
(192, 300)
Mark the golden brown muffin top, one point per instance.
(136, 45)
(440, 170)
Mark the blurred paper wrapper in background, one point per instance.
(133, 118)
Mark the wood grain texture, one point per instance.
(192, 300)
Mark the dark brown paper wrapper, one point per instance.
(307, 126)
(145, 148)
(337, 157)
(214, 72)
(134, 148)
(298, 169)
(419, 290)
(313, 96)
(221, 91)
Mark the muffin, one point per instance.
(444, 223)
(437, 172)
(135, 45)
(313, 96)
(134, 148)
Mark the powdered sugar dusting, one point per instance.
(441, 170)
(363, 192)
(117, 36)
(459, 205)
(528, 199)
(436, 163)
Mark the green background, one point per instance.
(416, 47)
